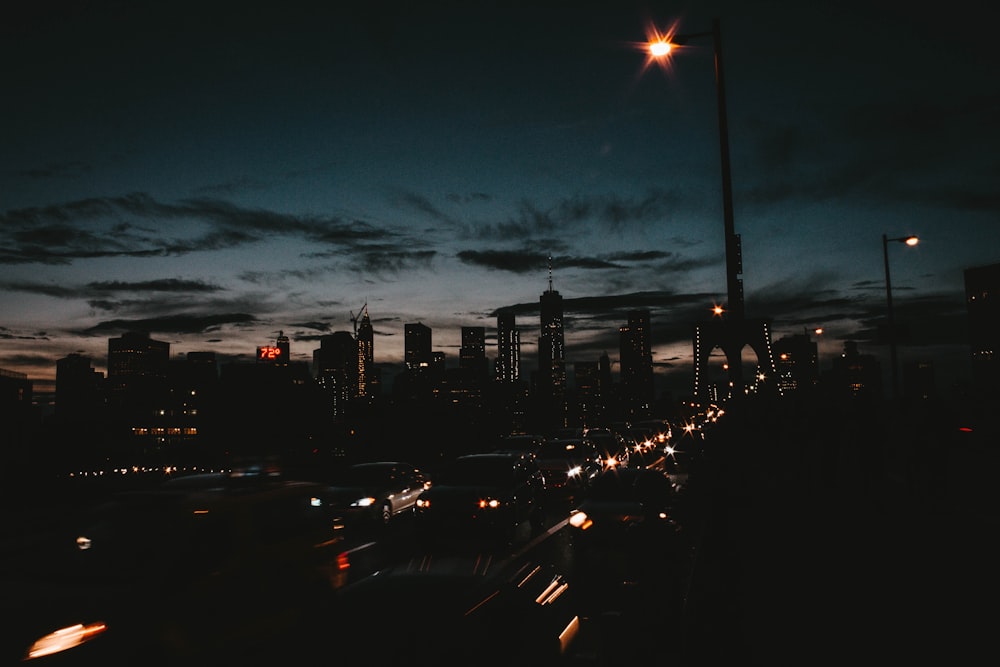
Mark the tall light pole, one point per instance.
(910, 240)
(659, 48)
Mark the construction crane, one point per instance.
(354, 318)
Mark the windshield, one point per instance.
(567, 449)
(477, 472)
(366, 475)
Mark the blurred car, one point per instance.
(568, 463)
(481, 495)
(624, 537)
(526, 444)
(373, 493)
(610, 446)
(652, 458)
(461, 612)
(200, 569)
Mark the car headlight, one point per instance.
(489, 503)
(580, 520)
(575, 471)
(363, 502)
(423, 503)
(65, 639)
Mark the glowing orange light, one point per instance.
(912, 241)
(718, 310)
(659, 49)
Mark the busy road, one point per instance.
(528, 574)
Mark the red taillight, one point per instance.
(343, 561)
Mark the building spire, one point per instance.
(550, 273)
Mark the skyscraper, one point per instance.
(336, 367)
(417, 346)
(508, 363)
(137, 370)
(472, 355)
(551, 354)
(366, 353)
(636, 364)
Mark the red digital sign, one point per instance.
(268, 353)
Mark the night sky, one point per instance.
(215, 173)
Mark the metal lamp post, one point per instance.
(735, 311)
(910, 240)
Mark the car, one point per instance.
(610, 446)
(373, 493)
(526, 444)
(201, 569)
(482, 495)
(624, 537)
(462, 611)
(568, 463)
(653, 458)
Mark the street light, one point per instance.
(662, 46)
(910, 240)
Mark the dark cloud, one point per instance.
(318, 326)
(93, 228)
(387, 262)
(515, 261)
(469, 198)
(69, 169)
(424, 205)
(179, 324)
(161, 285)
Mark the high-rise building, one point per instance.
(636, 364)
(336, 366)
(366, 354)
(508, 362)
(138, 367)
(472, 355)
(796, 362)
(982, 299)
(79, 390)
(551, 354)
(417, 346)
(590, 402)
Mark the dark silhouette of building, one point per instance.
(796, 363)
(79, 389)
(854, 375)
(137, 373)
(369, 384)
(15, 408)
(551, 385)
(472, 354)
(417, 346)
(272, 409)
(636, 360)
(982, 299)
(337, 367)
(508, 361)
(589, 402)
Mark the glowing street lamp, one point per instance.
(910, 240)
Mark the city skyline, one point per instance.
(220, 176)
